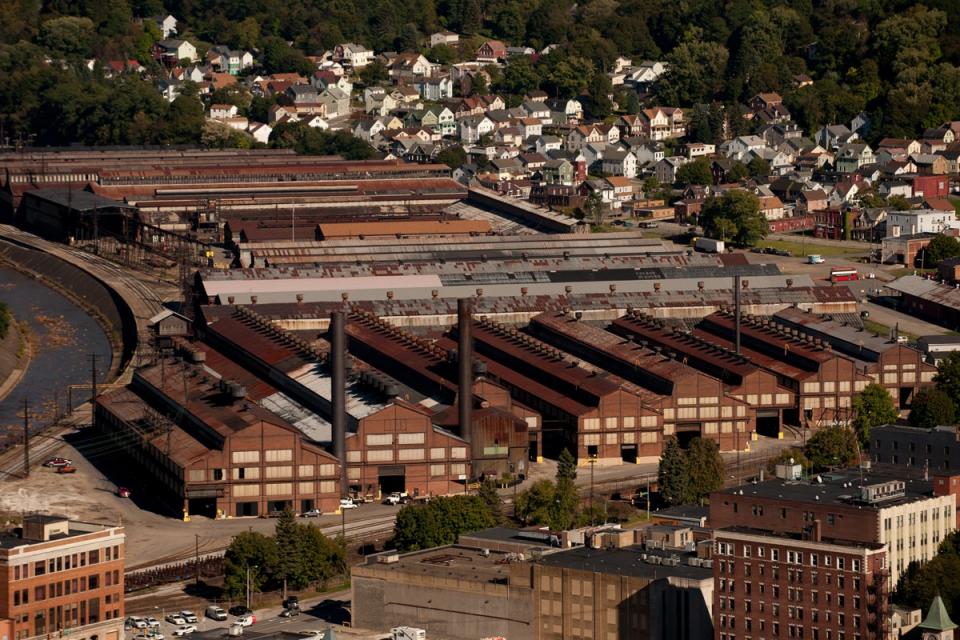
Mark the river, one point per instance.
(64, 338)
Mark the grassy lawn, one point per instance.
(884, 330)
(799, 248)
(956, 204)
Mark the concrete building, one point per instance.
(904, 516)
(466, 592)
(798, 586)
(62, 578)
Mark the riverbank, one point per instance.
(15, 356)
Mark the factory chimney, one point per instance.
(338, 398)
(736, 305)
(465, 367)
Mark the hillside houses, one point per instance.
(549, 145)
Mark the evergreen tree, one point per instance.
(566, 466)
(289, 570)
(672, 473)
(705, 469)
(488, 493)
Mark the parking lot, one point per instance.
(316, 615)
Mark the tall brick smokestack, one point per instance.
(338, 399)
(465, 367)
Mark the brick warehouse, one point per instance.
(758, 387)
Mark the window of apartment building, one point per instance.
(775, 555)
(783, 513)
(93, 556)
(217, 474)
(40, 593)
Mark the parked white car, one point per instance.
(189, 616)
(348, 503)
(135, 622)
(176, 618)
(184, 630)
(152, 622)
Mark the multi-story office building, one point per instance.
(60, 577)
(908, 516)
(798, 586)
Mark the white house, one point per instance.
(739, 147)
(475, 127)
(222, 111)
(904, 223)
(435, 89)
(260, 132)
(547, 143)
(178, 49)
(352, 55)
(336, 100)
(448, 38)
(619, 163)
(167, 25)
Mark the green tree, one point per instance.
(742, 209)
(520, 77)
(488, 493)
(705, 469)
(440, 521)
(941, 248)
(672, 472)
(185, 121)
(832, 446)
(931, 408)
(948, 375)
(696, 172)
(563, 75)
(289, 569)
(67, 36)
(566, 466)
(536, 505)
(453, 156)
(321, 558)
(5, 316)
(900, 203)
(758, 168)
(253, 551)
(695, 72)
(738, 172)
(598, 104)
(279, 57)
(872, 407)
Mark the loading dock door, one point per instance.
(768, 422)
(628, 453)
(392, 478)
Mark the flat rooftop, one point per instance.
(630, 561)
(841, 488)
(454, 562)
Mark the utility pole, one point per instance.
(93, 377)
(593, 461)
(26, 438)
(197, 556)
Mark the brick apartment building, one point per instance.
(798, 586)
(59, 578)
(907, 516)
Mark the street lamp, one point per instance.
(248, 583)
(593, 461)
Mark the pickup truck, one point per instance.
(396, 498)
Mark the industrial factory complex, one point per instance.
(377, 327)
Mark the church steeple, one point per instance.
(937, 625)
